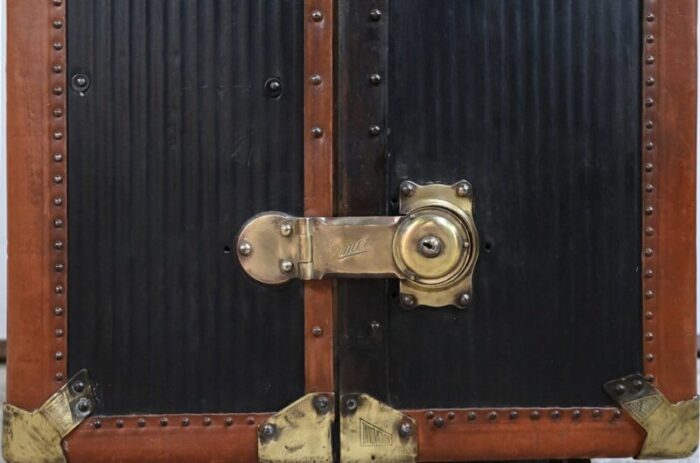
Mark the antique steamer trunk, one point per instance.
(350, 230)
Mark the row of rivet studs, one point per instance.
(58, 188)
(439, 421)
(164, 422)
(649, 184)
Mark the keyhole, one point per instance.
(430, 247)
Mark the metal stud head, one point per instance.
(245, 248)
(464, 300)
(317, 132)
(316, 79)
(464, 190)
(80, 83)
(286, 266)
(374, 130)
(375, 79)
(273, 87)
(407, 301)
(268, 430)
(406, 429)
(322, 403)
(317, 16)
(408, 188)
(83, 407)
(375, 14)
(351, 404)
(286, 229)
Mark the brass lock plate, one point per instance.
(431, 248)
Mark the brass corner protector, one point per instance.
(373, 431)
(35, 437)
(672, 429)
(300, 433)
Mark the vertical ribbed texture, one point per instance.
(173, 147)
(536, 102)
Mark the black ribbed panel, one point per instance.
(172, 148)
(536, 102)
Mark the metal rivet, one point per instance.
(84, 406)
(375, 326)
(464, 300)
(97, 424)
(374, 130)
(207, 421)
(650, 81)
(617, 414)
(58, 333)
(649, 336)
(451, 415)
(650, 145)
(58, 244)
(649, 273)
(58, 135)
(649, 102)
(650, 357)
(535, 415)
(351, 404)
(650, 125)
(651, 17)
(620, 389)
(58, 2)
(58, 376)
(649, 294)
(555, 414)
(58, 45)
(57, 179)
(317, 16)
(58, 289)
(321, 403)
(58, 223)
(408, 188)
(163, 422)
(79, 387)
(439, 422)
(513, 415)
(286, 266)
(576, 414)
(406, 429)
(80, 83)
(648, 252)
(493, 415)
(250, 421)
(316, 79)
(407, 300)
(245, 248)
(286, 229)
(375, 14)
(650, 59)
(57, 90)
(120, 423)
(268, 430)
(649, 315)
(185, 422)
(58, 311)
(58, 267)
(649, 231)
(430, 415)
(58, 157)
(471, 416)
(650, 378)
(57, 23)
(596, 413)
(649, 188)
(58, 355)
(375, 79)
(228, 421)
(650, 38)
(317, 132)
(57, 68)
(141, 423)
(648, 167)
(317, 331)
(638, 384)
(58, 112)
(464, 190)
(649, 210)
(273, 87)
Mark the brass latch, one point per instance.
(432, 247)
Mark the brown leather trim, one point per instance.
(555, 434)
(36, 195)
(669, 195)
(318, 184)
(133, 439)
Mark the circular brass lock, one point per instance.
(432, 246)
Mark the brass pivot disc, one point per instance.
(432, 246)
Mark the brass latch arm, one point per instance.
(432, 247)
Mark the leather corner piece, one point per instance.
(672, 428)
(36, 436)
(300, 433)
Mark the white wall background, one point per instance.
(3, 180)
